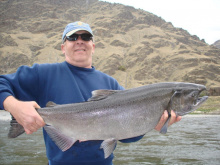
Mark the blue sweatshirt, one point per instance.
(61, 83)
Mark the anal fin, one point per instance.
(108, 146)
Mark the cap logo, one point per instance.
(80, 23)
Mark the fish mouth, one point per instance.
(198, 101)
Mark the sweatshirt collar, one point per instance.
(72, 67)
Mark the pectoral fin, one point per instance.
(166, 124)
(108, 146)
(62, 141)
(169, 108)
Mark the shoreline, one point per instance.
(5, 116)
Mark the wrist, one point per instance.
(9, 102)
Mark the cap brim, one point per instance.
(74, 31)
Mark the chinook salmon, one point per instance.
(112, 115)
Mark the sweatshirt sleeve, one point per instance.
(21, 84)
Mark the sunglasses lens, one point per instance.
(73, 37)
(84, 36)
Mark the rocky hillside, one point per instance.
(217, 44)
(134, 46)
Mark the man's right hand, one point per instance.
(25, 113)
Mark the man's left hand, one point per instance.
(164, 117)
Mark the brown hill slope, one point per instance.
(217, 44)
(134, 46)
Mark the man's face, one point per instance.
(79, 53)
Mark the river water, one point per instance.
(194, 140)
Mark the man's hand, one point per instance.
(164, 117)
(24, 113)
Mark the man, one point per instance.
(69, 82)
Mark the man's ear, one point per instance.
(93, 50)
(63, 48)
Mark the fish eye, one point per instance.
(193, 95)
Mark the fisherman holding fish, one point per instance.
(71, 81)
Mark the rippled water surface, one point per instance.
(193, 140)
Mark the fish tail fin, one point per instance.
(16, 129)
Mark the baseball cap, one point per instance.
(72, 28)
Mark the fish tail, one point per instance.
(16, 129)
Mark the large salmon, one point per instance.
(111, 115)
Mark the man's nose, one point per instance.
(79, 40)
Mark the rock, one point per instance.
(214, 91)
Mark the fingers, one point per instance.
(30, 125)
(39, 120)
(29, 131)
(164, 117)
(33, 126)
(174, 118)
(35, 105)
(162, 121)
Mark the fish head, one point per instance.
(187, 98)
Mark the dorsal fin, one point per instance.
(101, 94)
(51, 104)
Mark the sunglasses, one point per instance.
(84, 37)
